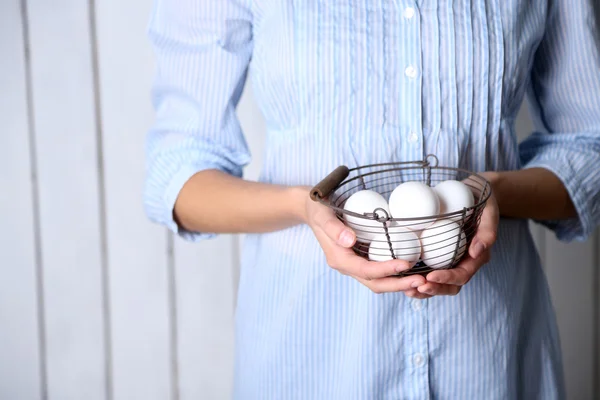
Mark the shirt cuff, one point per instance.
(171, 170)
(169, 198)
(573, 229)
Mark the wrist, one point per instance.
(495, 180)
(493, 177)
(530, 193)
(297, 196)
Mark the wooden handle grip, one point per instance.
(326, 186)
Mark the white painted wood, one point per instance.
(570, 269)
(65, 125)
(19, 346)
(523, 124)
(205, 312)
(538, 232)
(138, 263)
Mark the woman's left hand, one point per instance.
(450, 281)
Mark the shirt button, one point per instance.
(409, 12)
(417, 305)
(413, 137)
(418, 360)
(411, 72)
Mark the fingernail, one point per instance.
(478, 249)
(346, 238)
(416, 284)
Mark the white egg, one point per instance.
(454, 196)
(439, 243)
(414, 200)
(366, 202)
(405, 243)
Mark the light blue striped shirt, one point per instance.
(359, 82)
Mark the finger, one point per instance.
(371, 270)
(487, 229)
(462, 273)
(393, 284)
(330, 245)
(335, 229)
(415, 294)
(347, 262)
(436, 289)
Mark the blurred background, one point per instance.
(97, 303)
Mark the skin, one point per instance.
(213, 201)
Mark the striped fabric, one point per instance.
(356, 82)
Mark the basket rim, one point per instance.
(402, 166)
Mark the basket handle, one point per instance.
(330, 182)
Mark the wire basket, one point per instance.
(427, 244)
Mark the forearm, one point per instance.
(534, 193)
(213, 201)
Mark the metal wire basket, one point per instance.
(442, 245)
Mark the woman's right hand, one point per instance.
(336, 240)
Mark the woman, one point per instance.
(358, 82)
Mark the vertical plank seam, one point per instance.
(173, 316)
(105, 276)
(39, 265)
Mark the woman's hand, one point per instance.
(529, 193)
(336, 240)
(450, 281)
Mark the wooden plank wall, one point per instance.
(96, 302)
(22, 358)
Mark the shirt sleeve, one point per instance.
(564, 96)
(202, 50)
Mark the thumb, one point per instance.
(487, 230)
(336, 230)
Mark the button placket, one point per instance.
(409, 13)
(411, 82)
(417, 305)
(410, 127)
(417, 353)
(413, 137)
(411, 72)
(418, 360)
